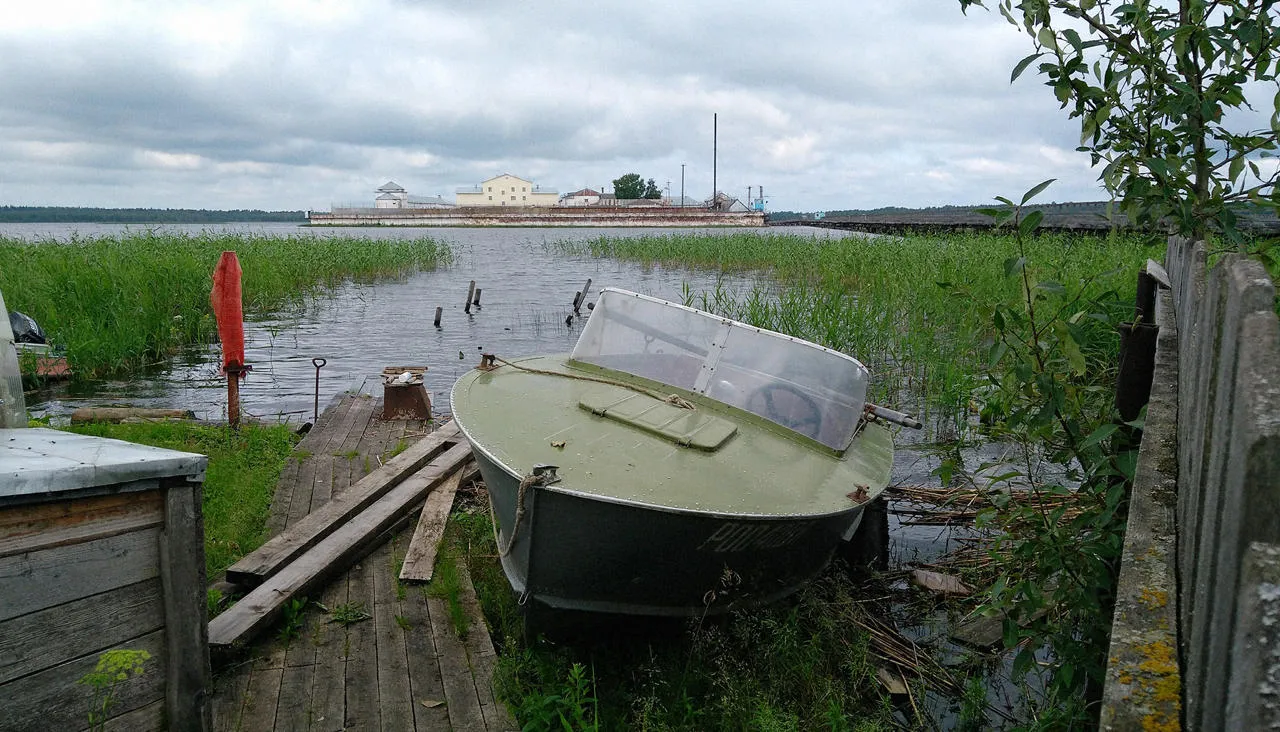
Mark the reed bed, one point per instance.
(915, 309)
(120, 303)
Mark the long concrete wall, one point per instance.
(507, 217)
(1201, 566)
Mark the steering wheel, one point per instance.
(762, 402)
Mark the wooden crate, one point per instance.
(101, 548)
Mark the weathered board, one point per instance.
(57, 523)
(344, 545)
(420, 559)
(261, 564)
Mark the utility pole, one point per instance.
(681, 185)
(715, 125)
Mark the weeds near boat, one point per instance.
(122, 303)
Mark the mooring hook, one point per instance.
(319, 363)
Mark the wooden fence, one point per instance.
(1228, 489)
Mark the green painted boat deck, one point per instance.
(737, 464)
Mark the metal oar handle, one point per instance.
(875, 411)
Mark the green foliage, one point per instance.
(1049, 391)
(293, 620)
(630, 185)
(651, 190)
(1163, 92)
(99, 297)
(113, 669)
(446, 584)
(240, 480)
(348, 613)
(213, 601)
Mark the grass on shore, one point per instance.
(244, 466)
(121, 303)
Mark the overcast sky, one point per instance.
(291, 104)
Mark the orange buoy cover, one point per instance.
(225, 300)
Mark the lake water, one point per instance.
(527, 293)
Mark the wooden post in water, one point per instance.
(476, 300)
(581, 297)
(471, 292)
(439, 310)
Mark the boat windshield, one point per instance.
(802, 386)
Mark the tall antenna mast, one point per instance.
(715, 123)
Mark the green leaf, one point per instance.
(1029, 224)
(1050, 286)
(1022, 66)
(998, 350)
(1023, 662)
(1013, 265)
(1099, 435)
(1037, 190)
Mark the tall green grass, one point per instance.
(123, 302)
(915, 309)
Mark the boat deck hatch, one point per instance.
(687, 427)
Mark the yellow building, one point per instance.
(507, 190)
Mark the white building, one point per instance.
(584, 197)
(507, 190)
(392, 195)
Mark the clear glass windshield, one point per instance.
(799, 385)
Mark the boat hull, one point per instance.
(578, 551)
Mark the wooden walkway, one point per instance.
(401, 669)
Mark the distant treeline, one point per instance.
(1084, 207)
(80, 215)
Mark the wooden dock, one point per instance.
(401, 668)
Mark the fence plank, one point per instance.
(1229, 503)
(1253, 699)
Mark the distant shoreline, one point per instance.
(91, 215)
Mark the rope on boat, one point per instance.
(537, 478)
(673, 399)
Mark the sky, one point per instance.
(293, 104)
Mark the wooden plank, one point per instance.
(329, 683)
(257, 566)
(61, 633)
(420, 559)
(282, 499)
(426, 687)
(483, 658)
(460, 693)
(341, 547)
(57, 523)
(185, 609)
(143, 719)
(1248, 506)
(48, 577)
(363, 706)
(54, 699)
(347, 456)
(263, 696)
(229, 691)
(394, 697)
